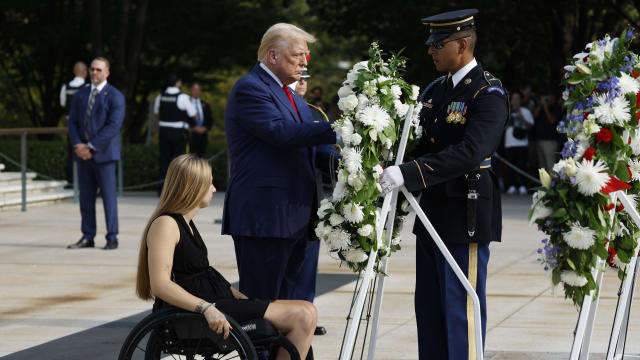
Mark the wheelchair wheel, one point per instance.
(179, 334)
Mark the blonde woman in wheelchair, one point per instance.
(173, 267)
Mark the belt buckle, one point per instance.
(472, 194)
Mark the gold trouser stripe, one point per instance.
(420, 170)
(472, 275)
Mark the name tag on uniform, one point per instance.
(456, 112)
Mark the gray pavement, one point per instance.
(62, 304)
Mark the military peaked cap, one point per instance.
(445, 24)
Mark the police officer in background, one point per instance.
(176, 114)
(66, 95)
(463, 116)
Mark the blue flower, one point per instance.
(539, 251)
(590, 102)
(629, 34)
(578, 106)
(545, 240)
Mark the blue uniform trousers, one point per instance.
(269, 267)
(307, 278)
(92, 175)
(444, 312)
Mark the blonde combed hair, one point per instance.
(187, 181)
(278, 37)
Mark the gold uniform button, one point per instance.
(433, 140)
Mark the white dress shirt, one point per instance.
(77, 81)
(463, 72)
(183, 102)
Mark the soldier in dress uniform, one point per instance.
(463, 116)
(66, 95)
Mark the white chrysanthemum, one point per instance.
(628, 84)
(352, 158)
(396, 241)
(353, 212)
(374, 116)
(355, 139)
(635, 144)
(540, 212)
(591, 177)
(335, 219)
(363, 101)
(401, 109)
(339, 191)
(579, 237)
(365, 230)
(611, 110)
(324, 206)
(362, 65)
(348, 103)
(322, 230)
(415, 91)
(377, 170)
(383, 91)
(617, 262)
(345, 91)
(355, 255)
(396, 91)
(388, 144)
(338, 240)
(634, 166)
(571, 278)
(633, 199)
(580, 149)
(620, 229)
(346, 131)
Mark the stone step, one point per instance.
(15, 202)
(33, 187)
(14, 177)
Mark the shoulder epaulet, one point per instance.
(326, 118)
(424, 92)
(493, 85)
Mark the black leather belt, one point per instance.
(473, 180)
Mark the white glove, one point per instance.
(391, 179)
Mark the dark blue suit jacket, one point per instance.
(272, 156)
(104, 125)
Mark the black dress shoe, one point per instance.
(111, 244)
(82, 243)
(320, 330)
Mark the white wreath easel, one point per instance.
(387, 215)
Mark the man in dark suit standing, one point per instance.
(463, 116)
(203, 122)
(272, 139)
(96, 115)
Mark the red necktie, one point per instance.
(288, 92)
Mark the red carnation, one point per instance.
(607, 207)
(612, 254)
(585, 116)
(604, 135)
(638, 99)
(635, 74)
(588, 154)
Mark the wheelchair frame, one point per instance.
(179, 332)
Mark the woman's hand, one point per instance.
(217, 321)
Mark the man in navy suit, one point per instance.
(95, 118)
(274, 145)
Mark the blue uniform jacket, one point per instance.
(104, 125)
(272, 155)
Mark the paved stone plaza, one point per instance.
(61, 304)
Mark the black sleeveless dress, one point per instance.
(192, 272)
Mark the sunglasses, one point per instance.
(438, 45)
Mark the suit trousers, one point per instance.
(444, 311)
(171, 142)
(92, 175)
(198, 144)
(269, 267)
(308, 276)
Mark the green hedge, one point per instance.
(139, 165)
